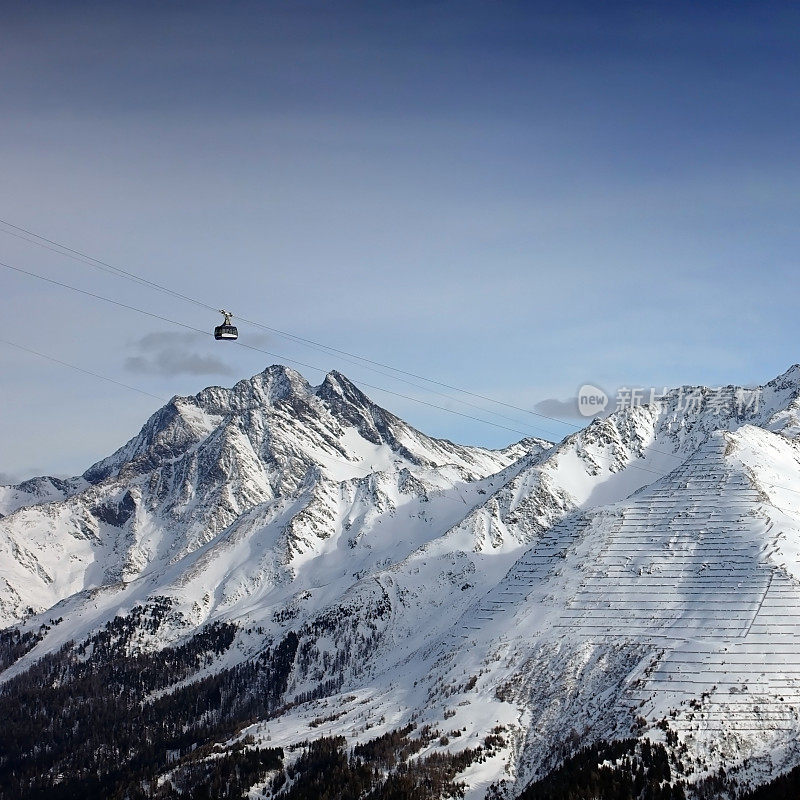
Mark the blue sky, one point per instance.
(514, 198)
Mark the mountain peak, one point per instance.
(790, 377)
(338, 386)
(276, 382)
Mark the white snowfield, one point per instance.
(640, 578)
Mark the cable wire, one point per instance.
(84, 371)
(118, 271)
(254, 347)
(294, 361)
(309, 366)
(105, 266)
(50, 244)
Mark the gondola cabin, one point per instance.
(226, 330)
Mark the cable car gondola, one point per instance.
(226, 330)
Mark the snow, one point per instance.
(647, 567)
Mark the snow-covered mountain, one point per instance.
(320, 460)
(638, 578)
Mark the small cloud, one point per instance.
(174, 354)
(590, 402)
(8, 479)
(259, 339)
(160, 339)
(560, 409)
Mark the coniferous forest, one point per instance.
(100, 720)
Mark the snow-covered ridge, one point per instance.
(620, 582)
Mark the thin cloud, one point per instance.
(174, 354)
(561, 409)
(259, 339)
(160, 339)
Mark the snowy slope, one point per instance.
(638, 578)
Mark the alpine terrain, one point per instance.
(285, 591)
